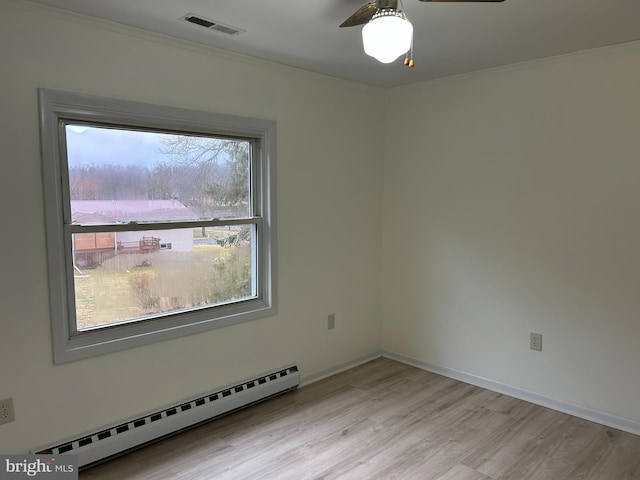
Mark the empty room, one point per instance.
(249, 240)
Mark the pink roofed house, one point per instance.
(91, 249)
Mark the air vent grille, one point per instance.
(218, 27)
(212, 24)
(199, 21)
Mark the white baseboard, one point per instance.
(314, 377)
(590, 414)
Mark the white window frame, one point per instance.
(59, 108)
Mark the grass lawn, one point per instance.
(128, 287)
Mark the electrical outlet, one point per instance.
(7, 414)
(535, 341)
(331, 321)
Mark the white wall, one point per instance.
(512, 205)
(329, 197)
(511, 202)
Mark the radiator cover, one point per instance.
(107, 442)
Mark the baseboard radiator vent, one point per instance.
(105, 443)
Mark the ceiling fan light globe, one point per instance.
(386, 37)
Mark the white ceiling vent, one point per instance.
(212, 24)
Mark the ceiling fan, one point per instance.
(387, 33)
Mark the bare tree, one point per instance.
(209, 172)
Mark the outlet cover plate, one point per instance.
(7, 413)
(535, 341)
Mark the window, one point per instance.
(159, 221)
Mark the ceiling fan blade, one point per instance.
(461, 0)
(362, 15)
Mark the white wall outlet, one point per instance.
(331, 321)
(535, 341)
(7, 414)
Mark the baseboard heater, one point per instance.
(108, 442)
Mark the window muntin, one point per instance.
(161, 225)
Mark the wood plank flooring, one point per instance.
(387, 420)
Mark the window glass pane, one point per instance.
(122, 175)
(126, 276)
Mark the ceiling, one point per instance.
(449, 38)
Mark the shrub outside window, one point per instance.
(159, 221)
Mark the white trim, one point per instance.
(56, 108)
(591, 414)
(341, 367)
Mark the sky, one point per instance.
(105, 146)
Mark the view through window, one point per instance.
(122, 176)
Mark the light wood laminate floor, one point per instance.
(387, 420)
